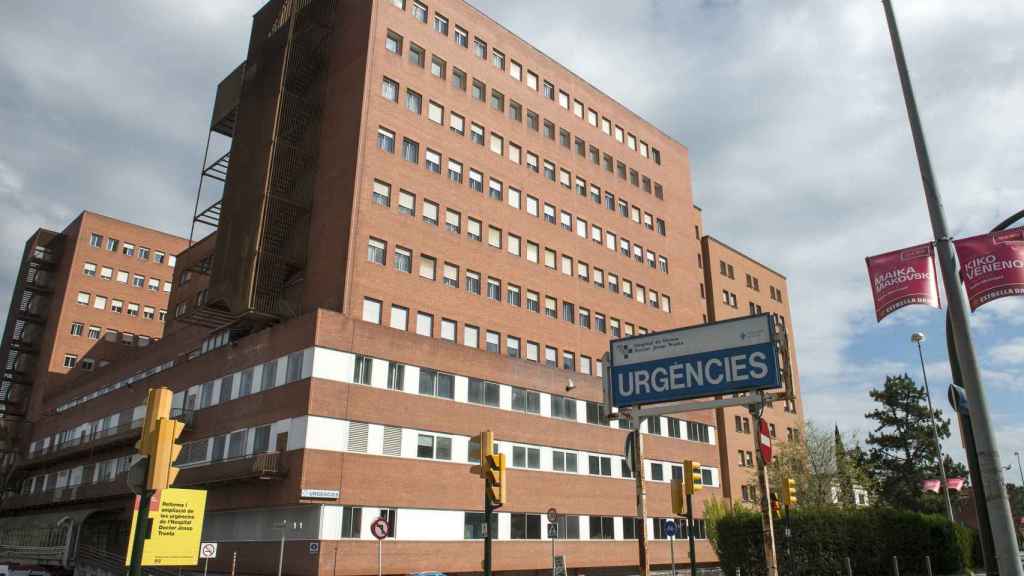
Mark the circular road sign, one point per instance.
(552, 515)
(670, 528)
(764, 443)
(379, 528)
(208, 550)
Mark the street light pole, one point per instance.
(1019, 469)
(918, 337)
(997, 502)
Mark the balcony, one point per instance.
(81, 493)
(269, 466)
(87, 442)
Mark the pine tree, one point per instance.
(902, 450)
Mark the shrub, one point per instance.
(822, 537)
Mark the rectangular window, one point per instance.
(424, 324)
(525, 526)
(399, 317)
(498, 59)
(438, 67)
(493, 342)
(458, 80)
(434, 383)
(403, 259)
(419, 11)
(599, 465)
(515, 70)
(480, 48)
(371, 310)
(476, 134)
(526, 400)
(455, 171)
(513, 295)
(389, 89)
(483, 392)
(494, 289)
(461, 37)
(430, 212)
(393, 43)
(473, 229)
(473, 282)
(417, 55)
(386, 140)
(532, 301)
(563, 407)
(497, 144)
(470, 337)
(440, 24)
(411, 150)
(479, 90)
(452, 221)
(427, 266)
(451, 275)
(512, 346)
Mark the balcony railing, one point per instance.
(111, 435)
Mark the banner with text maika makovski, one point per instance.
(992, 265)
(903, 277)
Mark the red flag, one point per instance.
(903, 277)
(992, 265)
(955, 484)
(931, 485)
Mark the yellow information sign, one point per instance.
(177, 526)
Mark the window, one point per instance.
(459, 81)
(476, 134)
(434, 383)
(389, 89)
(386, 140)
(526, 400)
(396, 375)
(133, 309)
(549, 130)
(473, 282)
(376, 251)
(476, 180)
(532, 120)
(448, 328)
(399, 317)
(430, 212)
(99, 302)
(697, 432)
(455, 171)
(523, 457)
(480, 48)
(564, 461)
(393, 43)
(531, 80)
(433, 447)
(532, 162)
(515, 111)
(563, 407)
(550, 357)
(108, 273)
(549, 257)
(452, 221)
(549, 90)
(497, 100)
(549, 213)
(440, 24)
(568, 361)
(602, 528)
(424, 324)
(525, 526)
(403, 259)
(483, 392)
(513, 295)
(419, 11)
(406, 203)
(427, 266)
(128, 249)
(532, 301)
(451, 275)
(89, 269)
(515, 70)
(599, 465)
(512, 346)
(438, 67)
(70, 360)
(417, 55)
(470, 336)
(568, 312)
(461, 37)
(411, 150)
(94, 332)
(494, 289)
(371, 310)
(479, 90)
(473, 229)
(95, 240)
(153, 284)
(112, 244)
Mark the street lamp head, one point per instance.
(917, 337)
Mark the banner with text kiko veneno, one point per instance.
(721, 358)
(903, 277)
(992, 265)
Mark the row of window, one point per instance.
(527, 526)
(90, 270)
(414, 102)
(432, 161)
(128, 249)
(516, 246)
(491, 340)
(532, 79)
(117, 306)
(727, 270)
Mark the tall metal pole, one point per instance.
(690, 536)
(141, 532)
(672, 553)
(991, 472)
(1019, 469)
(768, 536)
(280, 556)
(918, 337)
(488, 510)
(641, 496)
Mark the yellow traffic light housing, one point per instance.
(692, 477)
(158, 405)
(678, 497)
(486, 439)
(165, 450)
(790, 492)
(497, 477)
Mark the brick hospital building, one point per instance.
(427, 229)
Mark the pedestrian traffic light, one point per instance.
(692, 477)
(497, 476)
(678, 497)
(790, 492)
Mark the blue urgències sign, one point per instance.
(708, 360)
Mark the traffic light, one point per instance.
(486, 440)
(790, 492)
(678, 497)
(159, 440)
(776, 506)
(497, 487)
(165, 450)
(692, 477)
(158, 405)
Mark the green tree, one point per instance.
(902, 451)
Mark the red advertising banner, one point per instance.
(903, 277)
(992, 265)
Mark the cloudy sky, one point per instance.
(791, 110)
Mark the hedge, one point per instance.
(821, 538)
